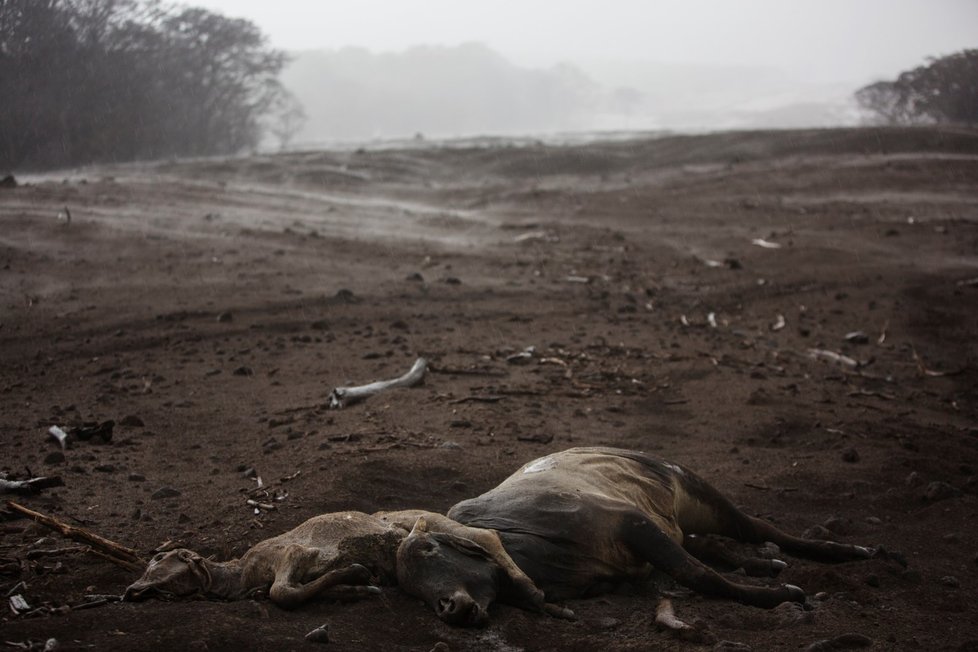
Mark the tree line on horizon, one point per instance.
(120, 80)
(945, 91)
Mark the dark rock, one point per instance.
(319, 635)
(320, 325)
(850, 455)
(54, 457)
(243, 371)
(131, 421)
(137, 477)
(8, 182)
(165, 492)
(415, 277)
(951, 581)
(847, 641)
(183, 518)
(105, 468)
(225, 317)
(938, 490)
(452, 280)
(857, 337)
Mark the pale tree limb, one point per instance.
(343, 396)
(112, 551)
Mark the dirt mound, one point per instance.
(695, 296)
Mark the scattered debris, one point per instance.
(541, 236)
(924, 371)
(832, 356)
(319, 635)
(60, 435)
(778, 324)
(766, 244)
(31, 486)
(92, 429)
(523, 356)
(342, 396)
(110, 550)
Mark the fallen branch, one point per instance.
(117, 554)
(832, 356)
(342, 396)
(31, 486)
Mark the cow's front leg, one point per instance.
(648, 542)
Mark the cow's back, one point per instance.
(559, 516)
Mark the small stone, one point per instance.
(913, 479)
(225, 317)
(319, 635)
(54, 457)
(873, 580)
(848, 641)
(873, 520)
(105, 468)
(131, 421)
(857, 337)
(452, 280)
(950, 537)
(183, 518)
(835, 524)
(850, 455)
(818, 532)
(320, 325)
(938, 490)
(136, 514)
(137, 477)
(731, 646)
(607, 623)
(912, 576)
(165, 492)
(415, 277)
(951, 581)
(243, 371)
(441, 646)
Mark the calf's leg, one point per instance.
(650, 543)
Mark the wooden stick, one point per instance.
(118, 554)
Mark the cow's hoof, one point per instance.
(795, 593)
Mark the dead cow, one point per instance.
(338, 556)
(580, 522)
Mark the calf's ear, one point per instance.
(420, 526)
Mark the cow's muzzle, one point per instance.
(460, 609)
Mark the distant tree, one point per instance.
(96, 80)
(286, 118)
(944, 91)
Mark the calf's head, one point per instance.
(175, 573)
(455, 576)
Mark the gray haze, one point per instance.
(388, 68)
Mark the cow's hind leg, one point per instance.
(716, 550)
(651, 544)
(701, 509)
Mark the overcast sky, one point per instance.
(824, 40)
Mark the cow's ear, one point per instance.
(463, 545)
(420, 526)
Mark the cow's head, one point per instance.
(454, 575)
(175, 573)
